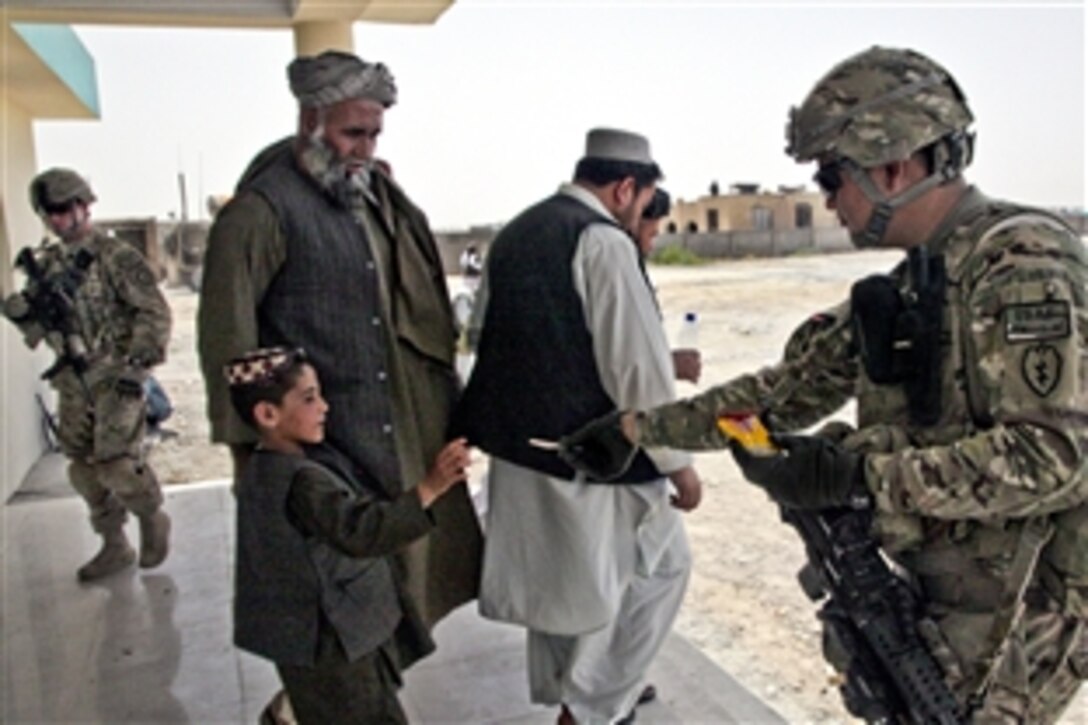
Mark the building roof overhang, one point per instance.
(213, 13)
(48, 71)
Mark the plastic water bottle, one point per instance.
(688, 336)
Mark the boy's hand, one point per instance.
(450, 466)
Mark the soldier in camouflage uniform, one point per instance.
(969, 364)
(120, 330)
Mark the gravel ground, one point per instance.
(744, 607)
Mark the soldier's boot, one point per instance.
(116, 554)
(108, 520)
(154, 538)
(138, 489)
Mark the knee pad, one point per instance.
(133, 482)
(84, 479)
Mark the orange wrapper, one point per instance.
(749, 430)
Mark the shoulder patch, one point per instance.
(131, 267)
(1038, 321)
(1042, 368)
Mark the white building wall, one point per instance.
(21, 438)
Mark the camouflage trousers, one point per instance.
(1045, 662)
(1038, 670)
(102, 435)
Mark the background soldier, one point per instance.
(96, 303)
(968, 365)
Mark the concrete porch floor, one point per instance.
(155, 646)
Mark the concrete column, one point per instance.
(313, 37)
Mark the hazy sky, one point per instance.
(496, 97)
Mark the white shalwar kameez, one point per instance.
(596, 572)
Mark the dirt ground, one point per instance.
(744, 607)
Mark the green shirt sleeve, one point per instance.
(816, 377)
(356, 525)
(246, 247)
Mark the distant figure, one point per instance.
(96, 303)
(159, 407)
(594, 568)
(215, 202)
(316, 588)
(472, 266)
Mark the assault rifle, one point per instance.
(50, 299)
(873, 615)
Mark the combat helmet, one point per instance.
(57, 187)
(880, 106)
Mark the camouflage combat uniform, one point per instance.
(984, 507)
(967, 505)
(124, 323)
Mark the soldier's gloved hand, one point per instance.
(130, 383)
(808, 473)
(16, 307)
(599, 449)
(142, 359)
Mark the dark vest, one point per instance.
(535, 374)
(325, 299)
(284, 581)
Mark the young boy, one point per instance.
(314, 589)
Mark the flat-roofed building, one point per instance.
(747, 207)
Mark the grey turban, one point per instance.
(336, 76)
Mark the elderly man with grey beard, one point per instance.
(320, 249)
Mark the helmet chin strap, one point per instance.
(953, 153)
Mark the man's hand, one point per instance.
(808, 473)
(600, 449)
(688, 365)
(689, 489)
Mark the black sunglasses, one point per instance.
(829, 177)
(58, 208)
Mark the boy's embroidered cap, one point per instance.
(261, 365)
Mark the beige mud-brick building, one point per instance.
(748, 208)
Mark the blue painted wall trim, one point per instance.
(63, 52)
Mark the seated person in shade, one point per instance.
(315, 591)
